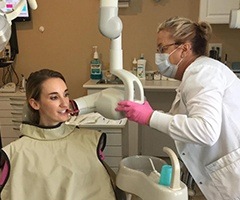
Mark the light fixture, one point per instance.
(6, 20)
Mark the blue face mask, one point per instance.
(165, 67)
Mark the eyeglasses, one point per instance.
(161, 49)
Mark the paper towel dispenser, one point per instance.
(234, 20)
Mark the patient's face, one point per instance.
(54, 102)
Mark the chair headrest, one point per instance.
(26, 113)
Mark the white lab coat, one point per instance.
(205, 124)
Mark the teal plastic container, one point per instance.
(166, 175)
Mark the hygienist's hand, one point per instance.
(140, 113)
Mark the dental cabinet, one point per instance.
(143, 139)
(11, 105)
(217, 11)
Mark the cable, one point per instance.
(8, 73)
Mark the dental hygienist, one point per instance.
(204, 117)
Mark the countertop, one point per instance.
(147, 85)
(16, 94)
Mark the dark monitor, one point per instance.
(25, 14)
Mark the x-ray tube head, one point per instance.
(103, 102)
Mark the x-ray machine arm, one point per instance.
(105, 102)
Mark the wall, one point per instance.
(71, 29)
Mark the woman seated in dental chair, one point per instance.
(52, 160)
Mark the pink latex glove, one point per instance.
(139, 113)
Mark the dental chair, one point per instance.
(4, 169)
(120, 195)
